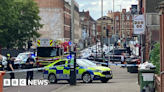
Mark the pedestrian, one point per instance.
(122, 59)
(10, 66)
(29, 64)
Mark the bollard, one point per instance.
(1, 80)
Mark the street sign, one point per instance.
(134, 9)
(139, 24)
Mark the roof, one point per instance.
(108, 18)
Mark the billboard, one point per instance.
(139, 24)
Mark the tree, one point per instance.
(155, 57)
(20, 22)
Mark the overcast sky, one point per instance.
(94, 6)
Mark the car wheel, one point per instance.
(104, 80)
(86, 78)
(52, 78)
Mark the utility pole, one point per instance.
(113, 20)
(72, 53)
(72, 25)
(102, 28)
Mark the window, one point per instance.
(104, 28)
(117, 26)
(128, 25)
(128, 33)
(123, 25)
(104, 18)
(60, 63)
(116, 17)
(127, 17)
(133, 25)
(47, 52)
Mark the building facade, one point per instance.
(107, 24)
(123, 23)
(87, 28)
(56, 19)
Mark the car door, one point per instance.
(67, 70)
(60, 70)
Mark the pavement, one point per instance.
(121, 82)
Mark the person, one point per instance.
(122, 59)
(29, 64)
(10, 66)
(8, 56)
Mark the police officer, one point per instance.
(29, 64)
(10, 66)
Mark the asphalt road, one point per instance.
(22, 75)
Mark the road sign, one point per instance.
(139, 24)
(134, 9)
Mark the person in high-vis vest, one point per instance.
(8, 56)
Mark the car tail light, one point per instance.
(57, 59)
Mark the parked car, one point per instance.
(23, 57)
(86, 71)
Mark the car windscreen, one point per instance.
(85, 63)
(47, 52)
(22, 56)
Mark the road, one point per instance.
(121, 82)
(37, 75)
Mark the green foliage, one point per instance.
(19, 22)
(155, 57)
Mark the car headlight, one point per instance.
(111, 72)
(97, 71)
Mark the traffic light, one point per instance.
(107, 33)
(29, 44)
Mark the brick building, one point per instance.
(87, 27)
(123, 26)
(56, 18)
(148, 9)
(107, 24)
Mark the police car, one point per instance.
(85, 70)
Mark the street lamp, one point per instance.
(120, 20)
(102, 28)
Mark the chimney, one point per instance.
(124, 10)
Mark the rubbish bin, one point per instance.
(128, 67)
(133, 69)
(146, 77)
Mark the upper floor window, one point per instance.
(123, 25)
(104, 28)
(128, 25)
(127, 17)
(116, 17)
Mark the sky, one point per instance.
(94, 6)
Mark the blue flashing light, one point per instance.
(32, 55)
(70, 43)
(69, 57)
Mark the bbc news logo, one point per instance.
(22, 82)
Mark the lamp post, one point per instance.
(102, 28)
(120, 20)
